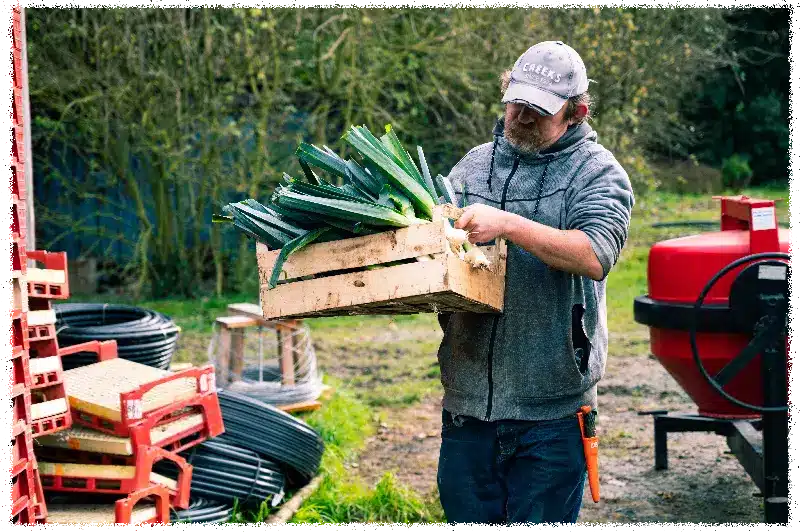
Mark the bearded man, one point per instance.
(511, 445)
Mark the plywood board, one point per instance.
(44, 365)
(41, 317)
(180, 366)
(40, 275)
(96, 388)
(246, 309)
(84, 439)
(96, 513)
(173, 428)
(306, 406)
(357, 252)
(48, 408)
(237, 322)
(107, 472)
(111, 472)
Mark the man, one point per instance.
(511, 446)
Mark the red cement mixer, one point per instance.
(717, 308)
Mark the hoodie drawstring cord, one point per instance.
(541, 188)
(491, 165)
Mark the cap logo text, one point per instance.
(532, 68)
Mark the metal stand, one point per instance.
(776, 434)
(748, 440)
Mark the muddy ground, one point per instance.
(704, 482)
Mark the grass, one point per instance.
(344, 424)
(380, 364)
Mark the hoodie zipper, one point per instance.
(496, 319)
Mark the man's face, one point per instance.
(531, 132)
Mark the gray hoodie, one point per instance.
(542, 358)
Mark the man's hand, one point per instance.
(483, 223)
(567, 250)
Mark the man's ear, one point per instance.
(580, 113)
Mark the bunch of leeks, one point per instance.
(383, 189)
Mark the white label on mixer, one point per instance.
(203, 383)
(763, 218)
(772, 273)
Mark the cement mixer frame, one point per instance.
(758, 302)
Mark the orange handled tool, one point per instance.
(586, 420)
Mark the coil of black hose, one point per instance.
(202, 511)
(271, 433)
(227, 473)
(144, 336)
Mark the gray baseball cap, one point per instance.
(545, 76)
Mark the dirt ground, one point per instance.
(704, 482)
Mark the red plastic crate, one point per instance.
(39, 505)
(19, 221)
(17, 107)
(21, 404)
(43, 379)
(48, 260)
(19, 261)
(20, 293)
(22, 483)
(18, 188)
(44, 348)
(17, 73)
(104, 350)
(137, 424)
(21, 448)
(16, 31)
(146, 457)
(57, 422)
(123, 510)
(39, 333)
(20, 368)
(21, 513)
(18, 144)
(19, 330)
(49, 425)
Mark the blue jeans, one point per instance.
(511, 471)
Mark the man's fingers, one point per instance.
(465, 219)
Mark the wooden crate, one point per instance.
(443, 284)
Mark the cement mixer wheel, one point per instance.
(768, 324)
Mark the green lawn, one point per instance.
(383, 363)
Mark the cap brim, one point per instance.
(533, 97)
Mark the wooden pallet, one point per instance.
(444, 283)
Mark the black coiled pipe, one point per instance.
(144, 336)
(227, 473)
(271, 433)
(202, 511)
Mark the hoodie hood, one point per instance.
(572, 139)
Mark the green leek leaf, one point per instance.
(295, 245)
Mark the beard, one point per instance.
(526, 138)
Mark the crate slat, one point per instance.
(358, 252)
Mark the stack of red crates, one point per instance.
(27, 501)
